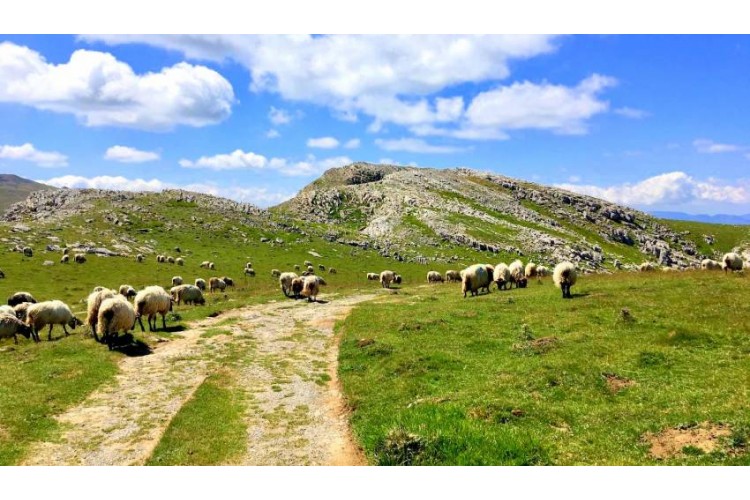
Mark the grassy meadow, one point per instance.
(525, 377)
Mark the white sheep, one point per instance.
(170, 259)
(311, 269)
(646, 267)
(517, 274)
(501, 276)
(205, 264)
(116, 314)
(386, 278)
(10, 326)
(542, 271)
(332, 270)
(176, 280)
(211, 266)
(127, 291)
(21, 309)
(215, 283)
(285, 281)
(476, 277)
(8, 310)
(50, 312)
(530, 271)
(710, 265)
(373, 276)
(452, 275)
(79, 258)
(321, 267)
(296, 267)
(249, 271)
(179, 261)
(65, 259)
(93, 302)
(187, 294)
(275, 273)
(434, 277)
(19, 297)
(311, 287)
(297, 285)
(151, 301)
(565, 276)
(731, 262)
(248, 264)
(308, 263)
(200, 283)
(228, 281)
(139, 257)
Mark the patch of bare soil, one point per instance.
(616, 383)
(671, 443)
(295, 414)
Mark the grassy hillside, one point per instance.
(524, 377)
(726, 236)
(14, 189)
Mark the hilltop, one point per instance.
(14, 189)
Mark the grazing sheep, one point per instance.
(65, 251)
(386, 278)
(373, 276)
(710, 265)
(275, 273)
(187, 294)
(474, 278)
(308, 263)
(10, 326)
(176, 280)
(249, 271)
(151, 301)
(311, 269)
(161, 259)
(646, 267)
(452, 276)
(50, 312)
(216, 284)
(8, 310)
(434, 277)
(201, 284)
(99, 288)
(28, 252)
(139, 257)
(65, 259)
(116, 314)
(542, 271)
(211, 266)
(332, 270)
(296, 267)
(248, 264)
(731, 262)
(229, 281)
(127, 291)
(311, 287)
(565, 276)
(19, 297)
(285, 281)
(297, 285)
(617, 264)
(179, 261)
(79, 258)
(530, 271)
(321, 267)
(517, 275)
(93, 303)
(21, 309)
(170, 259)
(501, 276)
(205, 264)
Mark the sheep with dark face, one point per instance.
(517, 274)
(139, 257)
(474, 278)
(127, 291)
(386, 278)
(710, 265)
(501, 276)
(275, 273)
(311, 287)
(452, 276)
(285, 281)
(65, 259)
(249, 271)
(434, 277)
(200, 283)
(373, 276)
(565, 276)
(731, 262)
(79, 258)
(229, 281)
(176, 280)
(215, 283)
(10, 326)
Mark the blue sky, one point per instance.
(655, 122)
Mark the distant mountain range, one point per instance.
(713, 219)
(14, 189)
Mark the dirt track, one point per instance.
(287, 367)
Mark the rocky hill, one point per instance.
(406, 209)
(14, 189)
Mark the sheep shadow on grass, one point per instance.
(174, 329)
(130, 346)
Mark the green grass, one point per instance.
(208, 430)
(40, 381)
(456, 381)
(726, 236)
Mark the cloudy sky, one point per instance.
(655, 122)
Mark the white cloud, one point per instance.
(241, 160)
(412, 145)
(258, 196)
(389, 78)
(27, 152)
(633, 113)
(279, 116)
(670, 188)
(100, 90)
(125, 154)
(711, 147)
(273, 134)
(352, 144)
(323, 143)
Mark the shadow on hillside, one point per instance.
(129, 346)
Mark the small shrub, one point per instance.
(400, 447)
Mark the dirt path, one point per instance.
(295, 413)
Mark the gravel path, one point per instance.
(288, 364)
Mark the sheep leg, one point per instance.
(163, 322)
(141, 323)
(49, 333)
(15, 338)
(66, 331)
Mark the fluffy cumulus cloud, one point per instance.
(323, 142)
(712, 147)
(126, 154)
(260, 196)
(27, 152)
(673, 188)
(391, 79)
(412, 145)
(100, 90)
(241, 160)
